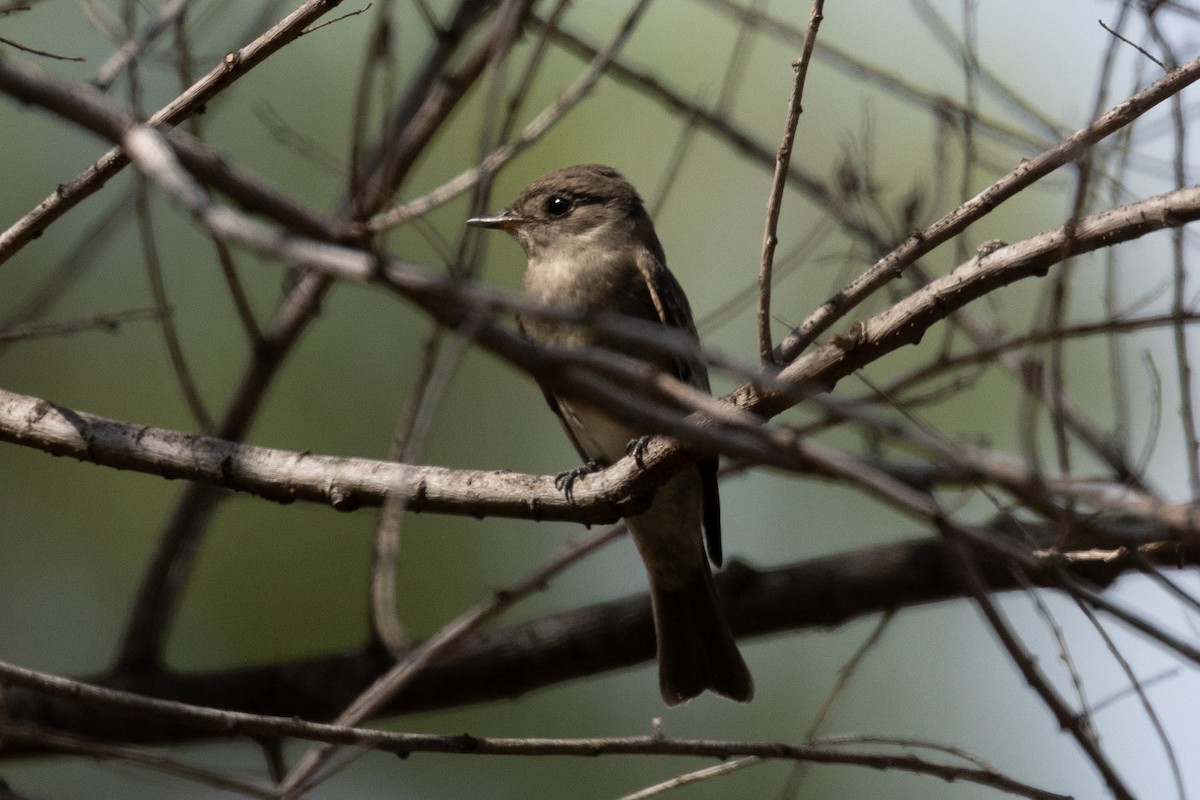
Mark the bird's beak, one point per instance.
(505, 220)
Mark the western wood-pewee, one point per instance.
(592, 247)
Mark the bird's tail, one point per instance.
(696, 650)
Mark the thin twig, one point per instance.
(529, 134)
(65, 744)
(36, 52)
(108, 323)
(783, 158)
(1066, 718)
(1134, 45)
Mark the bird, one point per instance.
(591, 247)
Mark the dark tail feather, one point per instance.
(696, 650)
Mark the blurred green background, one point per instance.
(278, 582)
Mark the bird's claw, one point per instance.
(565, 481)
(637, 449)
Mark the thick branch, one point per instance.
(285, 476)
(907, 321)
(506, 662)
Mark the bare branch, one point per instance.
(775, 199)
(508, 661)
(235, 65)
(1029, 171)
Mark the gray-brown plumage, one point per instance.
(592, 247)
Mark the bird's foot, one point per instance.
(637, 449)
(565, 481)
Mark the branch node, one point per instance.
(341, 498)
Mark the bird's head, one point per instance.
(569, 208)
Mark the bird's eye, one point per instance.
(558, 206)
